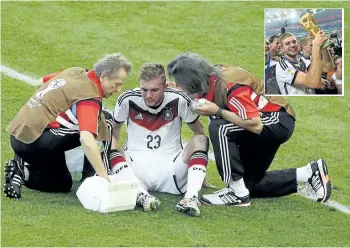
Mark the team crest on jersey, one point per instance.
(168, 115)
(290, 72)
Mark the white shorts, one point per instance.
(159, 172)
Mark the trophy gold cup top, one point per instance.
(309, 23)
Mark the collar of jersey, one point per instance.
(302, 54)
(91, 74)
(159, 108)
(210, 94)
(295, 63)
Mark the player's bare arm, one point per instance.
(92, 152)
(327, 62)
(313, 77)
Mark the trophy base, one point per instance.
(326, 44)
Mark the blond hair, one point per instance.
(285, 36)
(150, 71)
(304, 42)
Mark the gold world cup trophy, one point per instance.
(309, 23)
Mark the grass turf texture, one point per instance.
(43, 37)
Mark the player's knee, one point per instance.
(201, 142)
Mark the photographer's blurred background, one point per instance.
(280, 21)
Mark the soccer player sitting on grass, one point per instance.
(154, 115)
(246, 130)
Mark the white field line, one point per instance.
(19, 76)
(32, 81)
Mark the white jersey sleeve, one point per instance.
(121, 110)
(185, 112)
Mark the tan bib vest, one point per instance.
(229, 73)
(51, 99)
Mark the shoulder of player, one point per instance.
(129, 94)
(179, 94)
(282, 64)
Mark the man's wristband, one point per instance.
(218, 113)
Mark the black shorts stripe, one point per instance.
(176, 185)
(177, 156)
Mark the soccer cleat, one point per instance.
(226, 196)
(189, 206)
(319, 181)
(148, 202)
(14, 175)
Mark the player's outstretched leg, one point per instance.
(196, 156)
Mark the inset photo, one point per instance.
(304, 52)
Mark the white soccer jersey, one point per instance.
(286, 73)
(271, 87)
(149, 129)
(273, 62)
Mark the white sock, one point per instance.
(195, 178)
(304, 173)
(26, 174)
(123, 172)
(239, 187)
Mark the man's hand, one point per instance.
(327, 84)
(324, 83)
(319, 39)
(207, 109)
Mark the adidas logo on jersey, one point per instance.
(139, 116)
